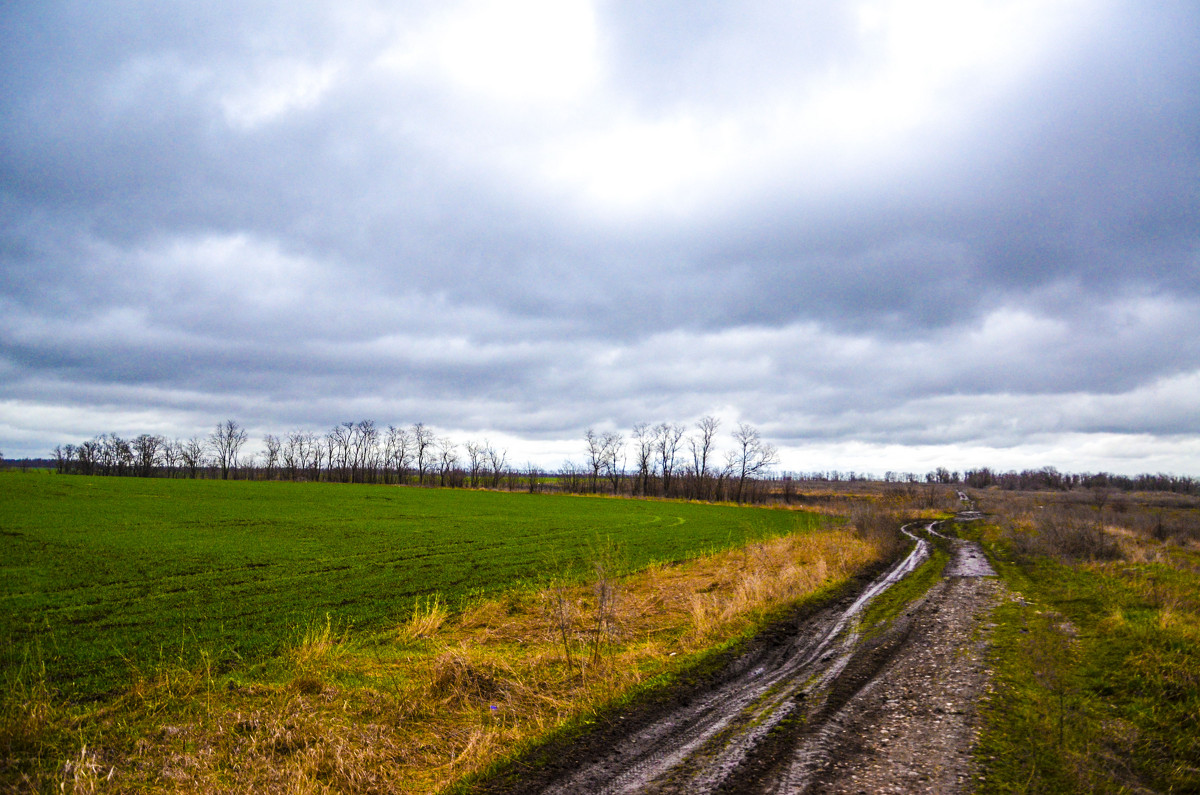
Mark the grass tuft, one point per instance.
(428, 615)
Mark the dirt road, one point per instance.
(815, 708)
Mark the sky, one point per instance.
(890, 235)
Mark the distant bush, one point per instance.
(878, 526)
(1067, 533)
(1163, 526)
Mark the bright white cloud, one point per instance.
(506, 50)
(917, 67)
(637, 164)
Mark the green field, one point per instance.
(104, 577)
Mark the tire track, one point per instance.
(700, 746)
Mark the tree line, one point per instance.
(664, 459)
(1050, 479)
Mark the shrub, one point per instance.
(1062, 532)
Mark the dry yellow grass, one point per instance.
(446, 695)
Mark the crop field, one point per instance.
(100, 577)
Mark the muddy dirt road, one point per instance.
(820, 708)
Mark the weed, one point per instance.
(428, 615)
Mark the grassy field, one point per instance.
(166, 636)
(1097, 655)
(102, 577)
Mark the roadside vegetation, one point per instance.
(438, 688)
(1097, 654)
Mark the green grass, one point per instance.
(103, 577)
(1097, 677)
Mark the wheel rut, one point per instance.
(825, 710)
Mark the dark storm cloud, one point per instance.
(784, 214)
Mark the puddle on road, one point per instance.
(969, 561)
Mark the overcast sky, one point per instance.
(890, 234)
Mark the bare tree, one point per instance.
(613, 445)
(788, 487)
(643, 440)
(121, 454)
(315, 452)
(105, 457)
(226, 441)
(302, 455)
(751, 456)
(171, 456)
(293, 454)
(476, 452)
(338, 442)
(422, 438)
(146, 449)
(722, 476)
(447, 458)
(115, 455)
(364, 442)
(398, 451)
(595, 451)
(86, 454)
(496, 462)
(571, 477)
(271, 460)
(192, 454)
(702, 449)
(667, 436)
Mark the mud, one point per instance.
(811, 707)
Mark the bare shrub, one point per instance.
(605, 591)
(562, 611)
(1164, 526)
(1062, 532)
(879, 527)
(1187, 526)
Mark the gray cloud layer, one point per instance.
(963, 228)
